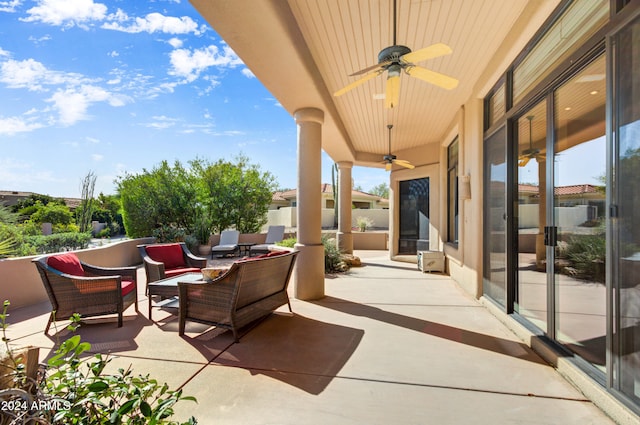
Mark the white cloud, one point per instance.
(66, 12)
(153, 22)
(72, 104)
(113, 54)
(93, 140)
(161, 122)
(33, 75)
(4, 53)
(175, 42)
(247, 73)
(39, 40)
(12, 125)
(190, 64)
(97, 157)
(9, 6)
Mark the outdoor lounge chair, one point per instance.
(228, 243)
(274, 234)
(77, 287)
(168, 260)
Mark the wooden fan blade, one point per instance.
(387, 167)
(433, 51)
(405, 164)
(392, 95)
(432, 77)
(357, 83)
(523, 161)
(380, 66)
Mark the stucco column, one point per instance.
(308, 275)
(344, 236)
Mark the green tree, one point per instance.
(235, 194)
(113, 205)
(381, 190)
(53, 213)
(160, 198)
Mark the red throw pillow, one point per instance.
(127, 287)
(66, 263)
(169, 254)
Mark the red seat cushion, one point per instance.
(176, 272)
(66, 263)
(127, 287)
(169, 254)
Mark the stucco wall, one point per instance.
(21, 284)
(287, 217)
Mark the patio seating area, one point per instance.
(388, 344)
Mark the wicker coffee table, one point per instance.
(168, 290)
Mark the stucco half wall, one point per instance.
(21, 284)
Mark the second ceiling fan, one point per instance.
(397, 58)
(390, 159)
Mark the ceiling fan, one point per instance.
(396, 58)
(391, 159)
(528, 154)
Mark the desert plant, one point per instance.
(587, 254)
(332, 255)
(363, 223)
(74, 389)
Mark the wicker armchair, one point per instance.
(167, 260)
(77, 287)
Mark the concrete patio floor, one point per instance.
(387, 345)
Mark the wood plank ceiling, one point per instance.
(346, 36)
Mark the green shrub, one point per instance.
(104, 233)
(58, 242)
(168, 233)
(332, 255)
(74, 389)
(288, 243)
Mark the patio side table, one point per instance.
(168, 288)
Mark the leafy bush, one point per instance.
(104, 233)
(332, 255)
(288, 243)
(58, 242)
(168, 233)
(76, 390)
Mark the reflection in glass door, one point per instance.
(626, 198)
(495, 215)
(579, 219)
(531, 298)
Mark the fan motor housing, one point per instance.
(392, 53)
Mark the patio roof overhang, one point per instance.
(304, 51)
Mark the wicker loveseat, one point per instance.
(168, 260)
(251, 289)
(77, 287)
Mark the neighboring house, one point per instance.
(360, 200)
(9, 198)
(284, 204)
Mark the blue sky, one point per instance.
(118, 86)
